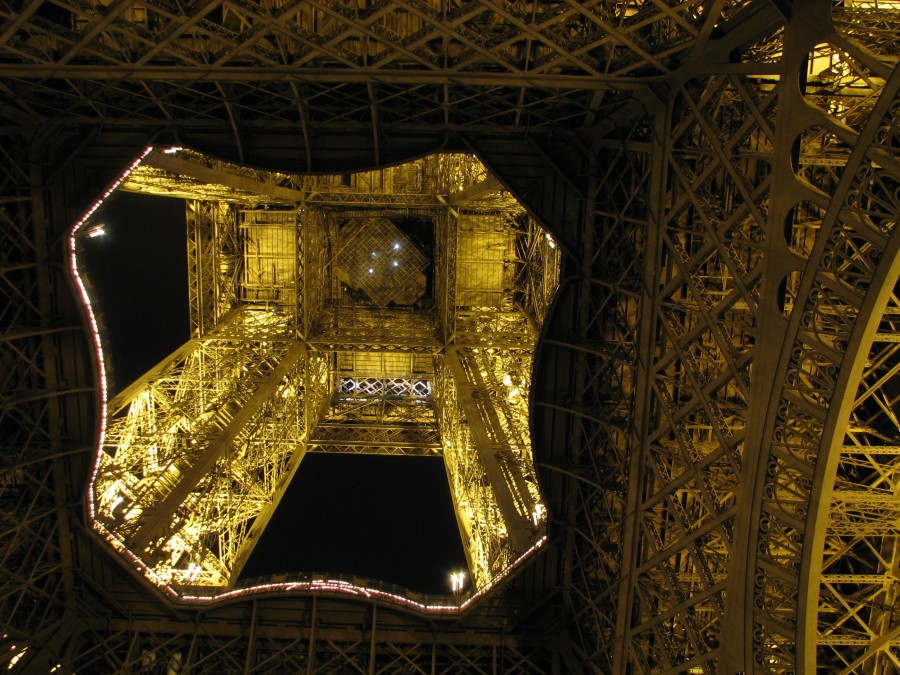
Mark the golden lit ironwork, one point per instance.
(314, 330)
(713, 400)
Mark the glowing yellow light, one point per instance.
(538, 514)
(15, 659)
(457, 581)
(193, 571)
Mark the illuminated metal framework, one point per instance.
(713, 401)
(191, 472)
(209, 444)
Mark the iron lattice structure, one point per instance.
(714, 401)
(197, 453)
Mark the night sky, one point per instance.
(386, 518)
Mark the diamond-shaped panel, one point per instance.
(382, 261)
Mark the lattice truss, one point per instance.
(382, 261)
(185, 173)
(736, 228)
(599, 343)
(382, 404)
(286, 356)
(485, 537)
(707, 295)
(214, 262)
(824, 303)
(347, 328)
(518, 62)
(537, 271)
(858, 624)
(376, 642)
(206, 447)
(483, 419)
(660, 509)
(36, 562)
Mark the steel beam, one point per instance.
(518, 526)
(158, 518)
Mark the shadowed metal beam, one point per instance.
(279, 73)
(474, 191)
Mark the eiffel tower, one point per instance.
(707, 412)
(314, 331)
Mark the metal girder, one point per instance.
(220, 416)
(326, 638)
(745, 280)
(812, 361)
(508, 498)
(389, 416)
(282, 74)
(247, 188)
(455, 38)
(213, 263)
(490, 184)
(849, 576)
(461, 60)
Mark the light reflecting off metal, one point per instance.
(160, 493)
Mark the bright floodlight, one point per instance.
(457, 580)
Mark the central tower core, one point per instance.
(388, 312)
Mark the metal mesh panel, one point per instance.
(380, 260)
(484, 251)
(269, 241)
(381, 364)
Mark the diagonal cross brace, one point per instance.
(518, 527)
(155, 519)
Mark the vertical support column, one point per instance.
(213, 263)
(311, 657)
(372, 635)
(303, 308)
(516, 526)
(741, 622)
(312, 264)
(43, 212)
(636, 466)
(445, 291)
(251, 639)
